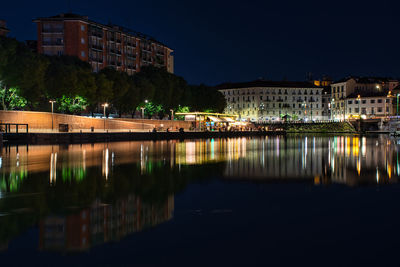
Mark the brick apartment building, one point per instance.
(101, 45)
(3, 28)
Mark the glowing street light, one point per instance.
(105, 105)
(52, 112)
(359, 105)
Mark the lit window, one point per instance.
(82, 40)
(83, 54)
(83, 28)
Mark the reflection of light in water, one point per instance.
(358, 167)
(84, 159)
(364, 147)
(377, 176)
(212, 148)
(348, 146)
(1, 162)
(105, 163)
(190, 152)
(389, 170)
(277, 147)
(304, 155)
(53, 168)
(17, 159)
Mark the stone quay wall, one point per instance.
(42, 122)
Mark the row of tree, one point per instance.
(29, 81)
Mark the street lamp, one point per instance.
(52, 113)
(142, 108)
(105, 105)
(359, 105)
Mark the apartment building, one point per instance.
(370, 105)
(3, 28)
(273, 100)
(358, 85)
(101, 45)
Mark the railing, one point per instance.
(52, 43)
(53, 30)
(7, 127)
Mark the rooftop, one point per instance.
(110, 26)
(366, 80)
(263, 83)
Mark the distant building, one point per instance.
(101, 45)
(273, 100)
(3, 28)
(357, 85)
(370, 105)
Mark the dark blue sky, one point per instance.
(220, 41)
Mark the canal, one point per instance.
(279, 201)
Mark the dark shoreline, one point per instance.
(78, 138)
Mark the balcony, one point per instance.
(131, 56)
(53, 43)
(53, 30)
(97, 34)
(98, 60)
(97, 47)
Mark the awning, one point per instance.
(228, 119)
(214, 119)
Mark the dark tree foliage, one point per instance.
(39, 78)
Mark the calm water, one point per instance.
(281, 201)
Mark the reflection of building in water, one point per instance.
(356, 160)
(280, 158)
(102, 223)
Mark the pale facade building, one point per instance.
(265, 101)
(359, 85)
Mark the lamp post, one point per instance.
(332, 107)
(52, 113)
(359, 105)
(142, 108)
(305, 109)
(105, 105)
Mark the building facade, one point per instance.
(265, 101)
(3, 28)
(101, 45)
(367, 86)
(370, 105)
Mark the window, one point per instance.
(372, 101)
(82, 40)
(364, 101)
(379, 109)
(364, 111)
(83, 54)
(83, 28)
(356, 110)
(387, 109)
(379, 100)
(349, 110)
(387, 100)
(349, 102)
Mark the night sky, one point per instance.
(221, 41)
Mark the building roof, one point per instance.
(366, 80)
(263, 83)
(113, 27)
